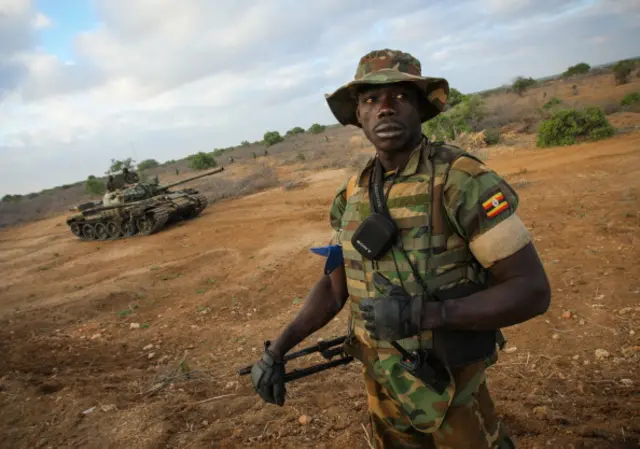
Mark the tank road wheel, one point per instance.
(101, 231)
(89, 232)
(76, 229)
(129, 228)
(203, 203)
(145, 224)
(114, 230)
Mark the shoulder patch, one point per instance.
(470, 165)
(494, 203)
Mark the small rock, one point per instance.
(627, 382)
(556, 336)
(586, 362)
(581, 322)
(151, 355)
(304, 420)
(89, 410)
(510, 349)
(231, 384)
(632, 332)
(134, 326)
(601, 354)
(163, 359)
(194, 326)
(254, 349)
(146, 348)
(542, 411)
(624, 310)
(205, 423)
(94, 336)
(566, 315)
(576, 357)
(108, 407)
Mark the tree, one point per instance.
(296, 130)
(93, 186)
(272, 137)
(202, 161)
(521, 84)
(117, 166)
(147, 164)
(578, 69)
(622, 70)
(455, 97)
(316, 128)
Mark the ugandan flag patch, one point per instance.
(495, 205)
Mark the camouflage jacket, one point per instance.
(474, 224)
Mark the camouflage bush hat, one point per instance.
(384, 67)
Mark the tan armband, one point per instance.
(504, 239)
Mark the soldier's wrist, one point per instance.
(434, 315)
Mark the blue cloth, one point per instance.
(333, 253)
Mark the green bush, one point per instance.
(296, 130)
(622, 70)
(577, 69)
(11, 198)
(491, 136)
(464, 117)
(272, 137)
(631, 98)
(147, 164)
(568, 126)
(316, 128)
(455, 97)
(521, 84)
(202, 161)
(93, 186)
(551, 103)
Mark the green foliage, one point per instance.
(463, 117)
(296, 130)
(147, 164)
(94, 186)
(578, 69)
(455, 97)
(551, 103)
(11, 198)
(117, 166)
(569, 126)
(631, 98)
(622, 70)
(245, 143)
(521, 84)
(202, 161)
(492, 136)
(272, 137)
(316, 128)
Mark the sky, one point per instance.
(86, 81)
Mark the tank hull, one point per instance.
(145, 217)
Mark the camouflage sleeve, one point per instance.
(335, 212)
(482, 207)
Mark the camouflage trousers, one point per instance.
(473, 424)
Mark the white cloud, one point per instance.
(175, 78)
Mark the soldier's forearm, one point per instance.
(322, 304)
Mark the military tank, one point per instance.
(142, 208)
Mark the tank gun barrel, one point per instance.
(191, 178)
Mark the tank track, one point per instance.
(113, 231)
(204, 202)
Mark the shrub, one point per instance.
(272, 137)
(293, 131)
(464, 117)
(94, 186)
(577, 69)
(622, 70)
(455, 97)
(551, 103)
(631, 98)
(245, 143)
(202, 161)
(569, 126)
(491, 136)
(316, 128)
(147, 164)
(521, 84)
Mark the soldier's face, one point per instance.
(389, 116)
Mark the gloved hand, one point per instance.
(392, 317)
(267, 377)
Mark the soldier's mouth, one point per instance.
(388, 130)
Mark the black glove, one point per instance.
(267, 377)
(393, 316)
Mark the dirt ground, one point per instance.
(136, 343)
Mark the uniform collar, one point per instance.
(409, 169)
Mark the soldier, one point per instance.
(110, 184)
(443, 265)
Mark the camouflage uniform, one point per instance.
(480, 208)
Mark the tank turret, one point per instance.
(138, 209)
